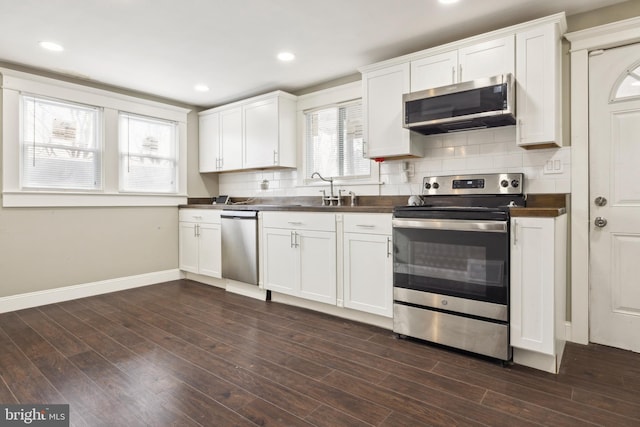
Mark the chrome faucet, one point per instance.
(329, 180)
(327, 200)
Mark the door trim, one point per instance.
(582, 42)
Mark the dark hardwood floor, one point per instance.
(182, 353)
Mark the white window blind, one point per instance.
(61, 145)
(334, 142)
(148, 154)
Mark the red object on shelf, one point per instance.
(378, 159)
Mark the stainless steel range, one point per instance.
(451, 262)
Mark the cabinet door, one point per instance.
(261, 133)
(382, 102)
(532, 284)
(280, 264)
(486, 59)
(231, 139)
(317, 252)
(209, 250)
(538, 86)
(209, 142)
(368, 273)
(434, 71)
(188, 247)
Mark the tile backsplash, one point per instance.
(484, 151)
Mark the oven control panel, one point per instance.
(499, 183)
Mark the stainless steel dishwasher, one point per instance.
(240, 246)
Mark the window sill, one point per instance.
(52, 199)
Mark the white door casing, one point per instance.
(614, 153)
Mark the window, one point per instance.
(334, 142)
(61, 145)
(628, 86)
(148, 154)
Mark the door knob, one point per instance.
(600, 222)
(600, 201)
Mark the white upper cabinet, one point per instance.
(231, 139)
(485, 59)
(382, 92)
(209, 155)
(434, 71)
(538, 87)
(255, 133)
(269, 132)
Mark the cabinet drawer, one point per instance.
(199, 215)
(299, 220)
(367, 223)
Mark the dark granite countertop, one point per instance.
(538, 205)
(298, 208)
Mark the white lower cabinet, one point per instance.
(538, 291)
(200, 242)
(368, 263)
(299, 254)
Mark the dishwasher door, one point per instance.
(240, 246)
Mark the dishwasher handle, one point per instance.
(239, 214)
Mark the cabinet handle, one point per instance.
(515, 232)
(460, 73)
(294, 240)
(221, 162)
(198, 225)
(294, 222)
(453, 74)
(365, 225)
(520, 129)
(388, 247)
(275, 157)
(364, 147)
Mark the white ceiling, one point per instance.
(165, 47)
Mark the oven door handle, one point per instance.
(452, 225)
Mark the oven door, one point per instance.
(459, 258)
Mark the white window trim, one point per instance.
(317, 100)
(15, 82)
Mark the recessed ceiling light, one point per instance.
(448, 1)
(286, 56)
(201, 88)
(54, 47)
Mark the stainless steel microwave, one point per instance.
(476, 104)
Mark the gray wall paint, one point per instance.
(605, 15)
(50, 248)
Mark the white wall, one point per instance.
(484, 151)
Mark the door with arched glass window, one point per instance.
(614, 157)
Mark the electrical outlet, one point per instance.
(553, 166)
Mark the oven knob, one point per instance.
(436, 185)
(515, 183)
(504, 183)
(427, 186)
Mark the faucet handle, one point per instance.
(324, 197)
(353, 198)
(340, 197)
